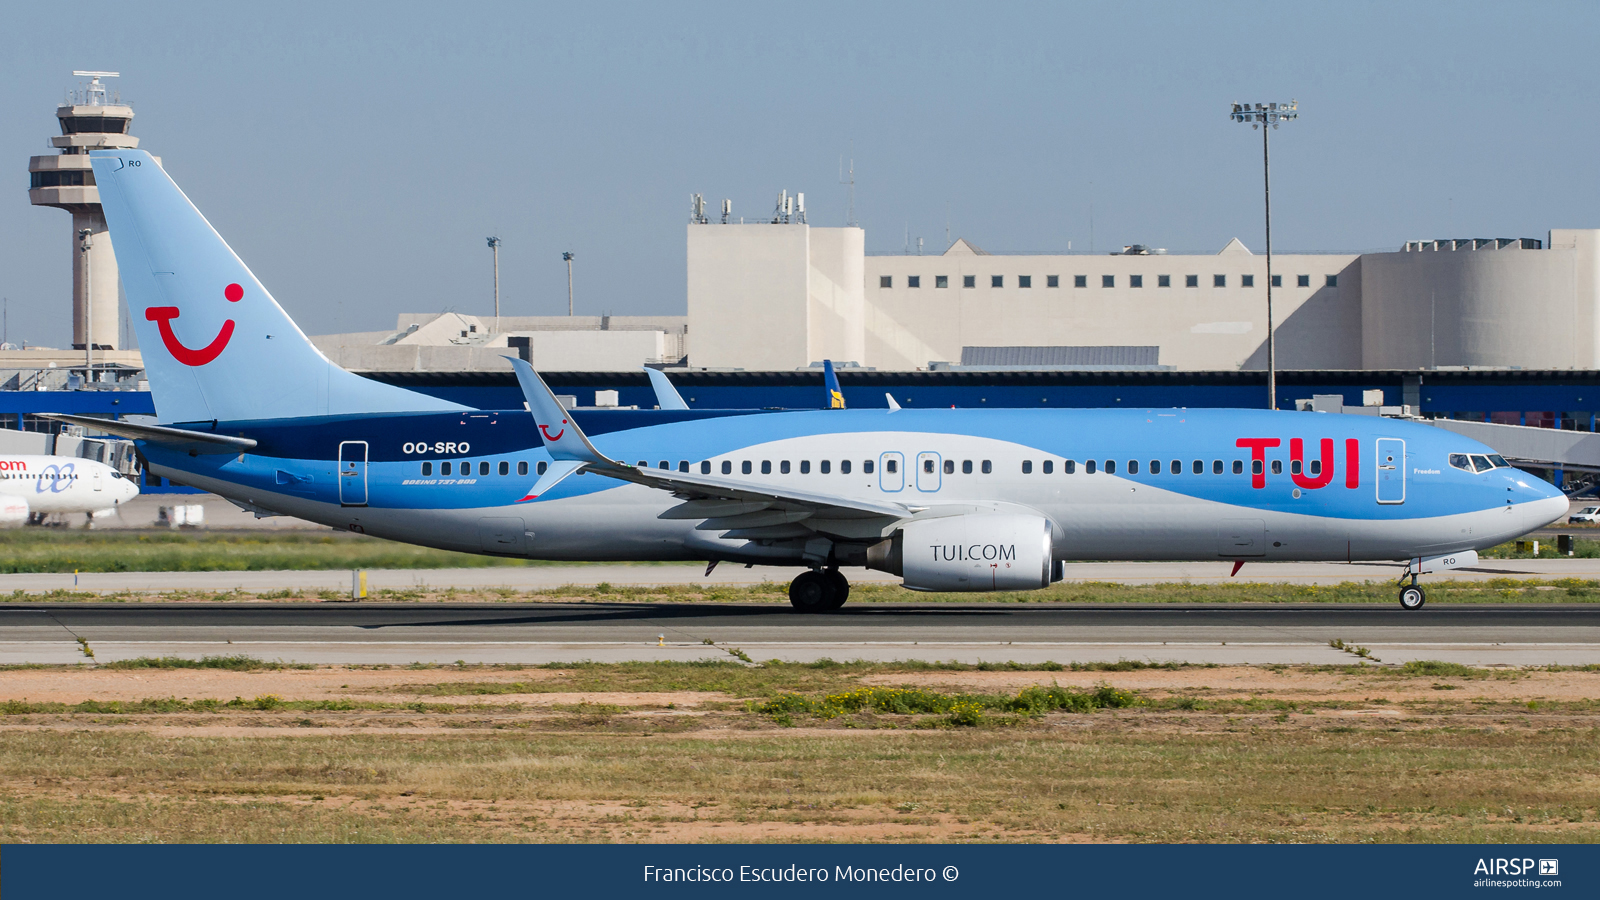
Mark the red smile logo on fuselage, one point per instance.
(163, 316)
(545, 430)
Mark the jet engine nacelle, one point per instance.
(13, 511)
(969, 553)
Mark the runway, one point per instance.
(397, 634)
(547, 577)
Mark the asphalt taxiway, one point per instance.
(1522, 634)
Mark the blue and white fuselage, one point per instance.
(950, 499)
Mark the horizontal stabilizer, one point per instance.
(165, 435)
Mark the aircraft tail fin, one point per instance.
(831, 381)
(216, 345)
(667, 396)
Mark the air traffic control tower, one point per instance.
(89, 121)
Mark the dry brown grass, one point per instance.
(1230, 754)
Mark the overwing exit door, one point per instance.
(1391, 470)
(353, 473)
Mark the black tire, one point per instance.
(810, 592)
(1412, 597)
(840, 586)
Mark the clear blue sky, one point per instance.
(357, 155)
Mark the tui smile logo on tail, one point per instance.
(545, 430)
(163, 316)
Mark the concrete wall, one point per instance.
(1484, 307)
(749, 295)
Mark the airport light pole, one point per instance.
(1260, 116)
(568, 255)
(494, 247)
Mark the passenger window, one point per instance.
(766, 467)
(644, 464)
(1177, 467)
(1133, 467)
(824, 466)
(927, 466)
(1155, 467)
(1088, 467)
(1199, 467)
(683, 465)
(1460, 461)
(966, 467)
(505, 467)
(1111, 467)
(1294, 467)
(844, 467)
(427, 468)
(988, 467)
(1068, 466)
(890, 466)
(949, 467)
(466, 467)
(1255, 467)
(542, 468)
(1316, 467)
(483, 467)
(783, 467)
(705, 467)
(1048, 466)
(522, 467)
(727, 467)
(1238, 467)
(866, 466)
(805, 467)
(1027, 467)
(1216, 467)
(444, 468)
(744, 467)
(1277, 467)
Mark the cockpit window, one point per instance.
(1499, 461)
(115, 474)
(1460, 461)
(1481, 463)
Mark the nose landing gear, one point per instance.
(1412, 596)
(819, 590)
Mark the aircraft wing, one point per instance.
(724, 502)
(199, 442)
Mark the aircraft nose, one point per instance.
(1544, 501)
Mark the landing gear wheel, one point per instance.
(811, 592)
(840, 587)
(1412, 597)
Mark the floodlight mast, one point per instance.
(1260, 116)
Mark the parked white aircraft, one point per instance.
(58, 484)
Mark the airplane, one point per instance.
(947, 499)
(40, 485)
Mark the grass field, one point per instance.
(823, 752)
(62, 550)
(1500, 590)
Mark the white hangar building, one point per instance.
(781, 296)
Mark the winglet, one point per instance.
(554, 475)
(667, 396)
(835, 395)
(893, 406)
(562, 437)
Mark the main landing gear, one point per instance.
(819, 590)
(1412, 596)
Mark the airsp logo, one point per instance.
(1501, 866)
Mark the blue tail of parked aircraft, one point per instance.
(216, 345)
(835, 395)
